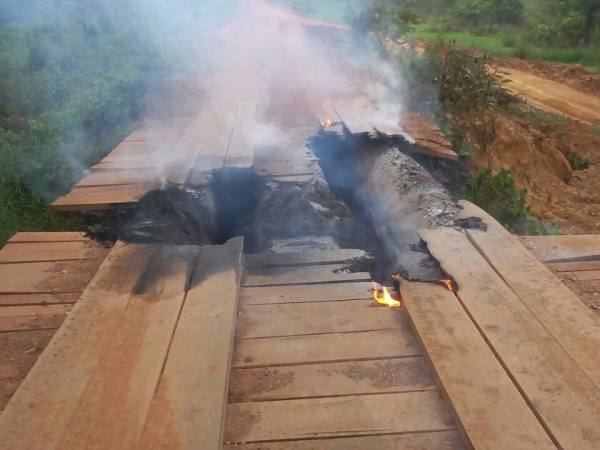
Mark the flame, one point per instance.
(449, 285)
(328, 123)
(383, 297)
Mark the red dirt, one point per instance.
(573, 75)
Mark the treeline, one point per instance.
(563, 23)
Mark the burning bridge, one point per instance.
(278, 342)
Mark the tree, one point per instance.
(579, 17)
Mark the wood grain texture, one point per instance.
(189, 407)
(588, 275)
(336, 417)
(314, 318)
(566, 400)
(574, 266)
(112, 410)
(51, 251)
(47, 277)
(560, 310)
(325, 348)
(101, 197)
(553, 248)
(41, 409)
(301, 258)
(443, 440)
(37, 299)
(48, 236)
(330, 379)
(469, 374)
(306, 293)
(268, 276)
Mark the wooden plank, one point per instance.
(587, 275)
(296, 166)
(51, 251)
(385, 122)
(306, 293)
(314, 318)
(562, 312)
(469, 374)
(188, 411)
(46, 277)
(266, 276)
(27, 237)
(241, 147)
(35, 310)
(30, 323)
(163, 129)
(553, 248)
(325, 348)
(118, 177)
(566, 400)
(214, 131)
(353, 121)
(328, 380)
(101, 197)
(574, 266)
(112, 411)
(337, 417)
(38, 413)
(433, 149)
(302, 258)
(37, 299)
(442, 440)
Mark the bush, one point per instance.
(499, 196)
(509, 41)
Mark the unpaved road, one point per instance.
(554, 97)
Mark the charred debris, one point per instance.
(366, 194)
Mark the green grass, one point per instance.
(589, 57)
(542, 117)
(593, 128)
(330, 10)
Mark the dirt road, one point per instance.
(553, 97)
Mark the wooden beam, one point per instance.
(300, 275)
(324, 348)
(330, 380)
(302, 258)
(28, 237)
(560, 310)
(469, 374)
(337, 417)
(306, 293)
(564, 397)
(314, 318)
(446, 440)
(188, 410)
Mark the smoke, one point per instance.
(105, 65)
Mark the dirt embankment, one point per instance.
(550, 161)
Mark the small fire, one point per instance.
(383, 296)
(449, 285)
(328, 123)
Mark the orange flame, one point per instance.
(328, 123)
(449, 285)
(383, 297)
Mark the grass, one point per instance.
(589, 57)
(331, 10)
(543, 117)
(593, 128)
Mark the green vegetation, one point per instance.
(73, 82)
(331, 10)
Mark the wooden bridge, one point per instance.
(202, 347)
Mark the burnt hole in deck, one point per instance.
(236, 195)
